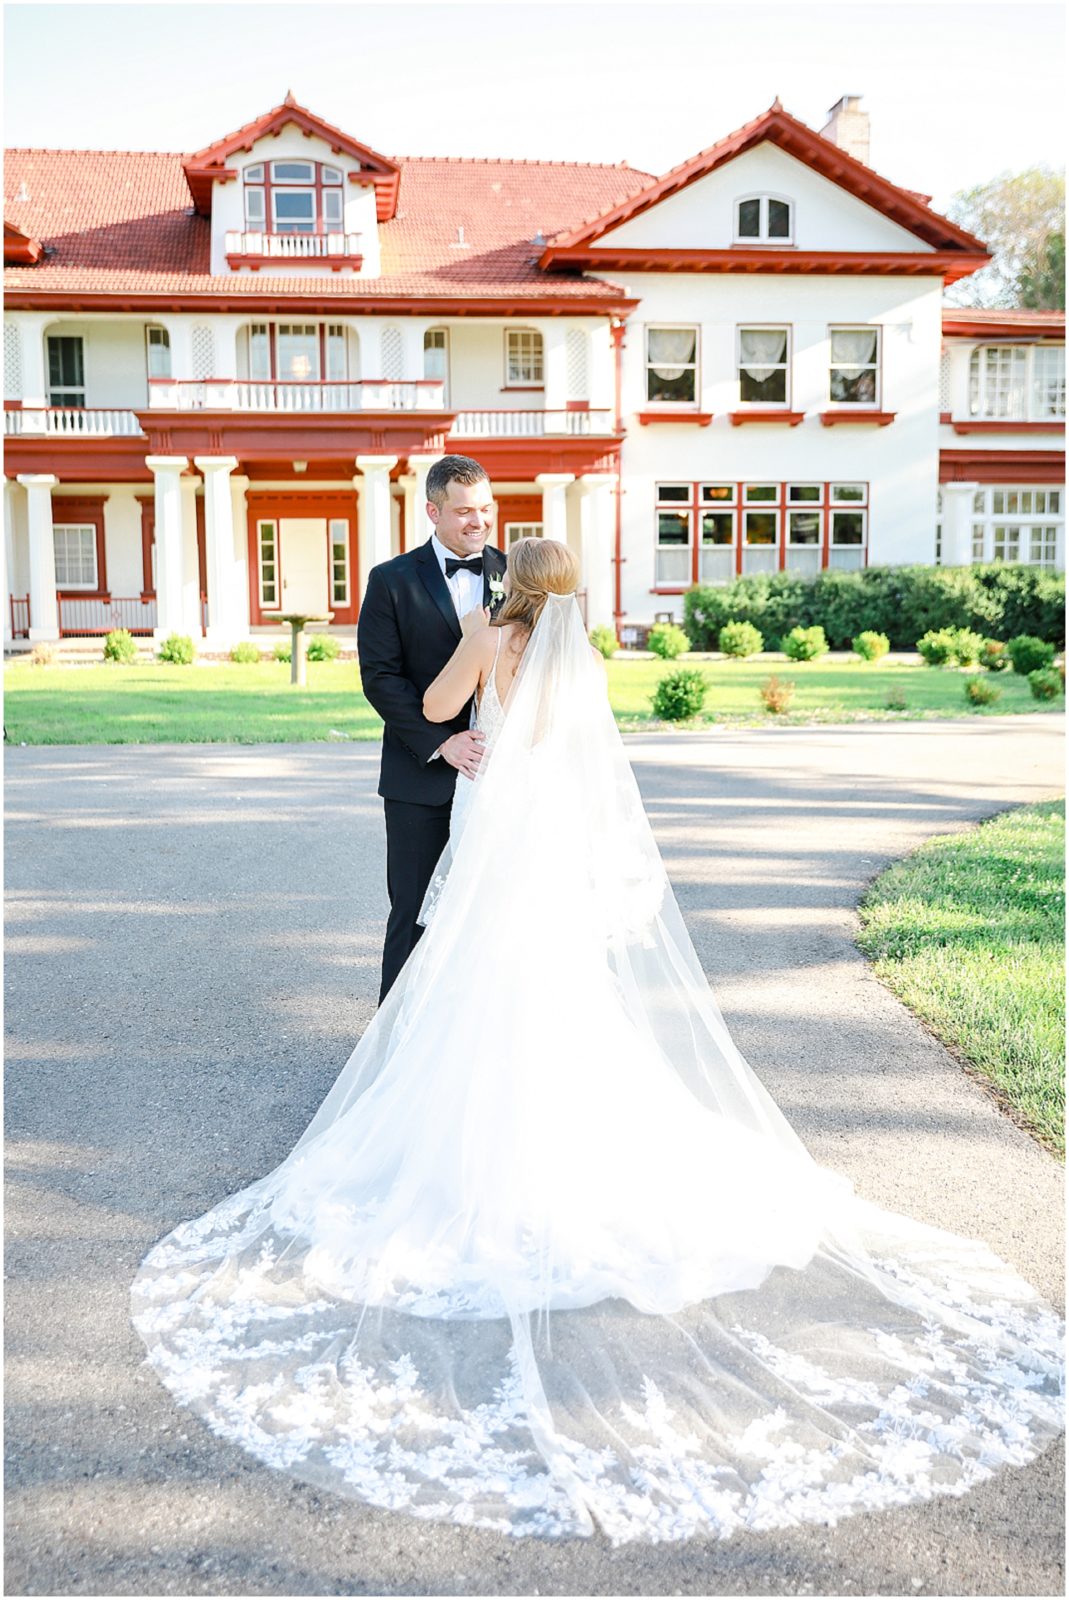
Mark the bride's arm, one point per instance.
(462, 674)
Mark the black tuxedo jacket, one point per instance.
(408, 629)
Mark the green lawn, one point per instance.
(211, 702)
(969, 932)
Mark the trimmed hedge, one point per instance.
(999, 600)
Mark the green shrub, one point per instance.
(968, 647)
(805, 644)
(871, 646)
(1046, 683)
(667, 641)
(680, 694)
(895, 700)
(937, 647)
(981, 691)
(120, 645)
(605, 640)
(993, 656)
(1001, 599)
(1029, 654)
(777, 694)
(282, 651)
(178, 649)
(740, 639)
(323, 647)
(245, 651)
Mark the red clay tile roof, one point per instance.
(121, 222)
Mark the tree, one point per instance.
(1021, 218)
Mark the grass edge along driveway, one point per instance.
(969, 932)
(209, 702)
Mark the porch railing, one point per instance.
(242, 394)
(20, 617)
(502, 424)
(295, 246)
(72, 422)
(89, 616)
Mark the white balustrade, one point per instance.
(368, 394)
(72, 422)
(294, 246)
(530, 424)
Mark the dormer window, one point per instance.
(763, 219)
(287, 197)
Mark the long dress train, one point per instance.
(549, 1259)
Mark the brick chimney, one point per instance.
(848, 127)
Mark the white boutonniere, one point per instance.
(497, 590)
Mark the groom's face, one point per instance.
(465, 521)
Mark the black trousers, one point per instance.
(415, 838)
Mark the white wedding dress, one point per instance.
(548, 1259)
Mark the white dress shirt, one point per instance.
(465, 591)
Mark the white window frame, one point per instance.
(762, 196)
(522, 530)
(876, 367)
(684, 508)
(276, 603)
(157, 338)
(315, 329)
(292, 222)
(293, 183)
(980, 401)
(339, 592)
(787, 365)
(81, 528)
(73, 397)
(992, 512)
(535, 357)
(255, 223)
(684, 366)
(444, 347)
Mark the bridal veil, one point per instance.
(549, 1259)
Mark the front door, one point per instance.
(305, 570)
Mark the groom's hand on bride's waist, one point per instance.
(463, 751)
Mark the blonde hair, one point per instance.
(537, 568)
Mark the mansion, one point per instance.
(227, 374)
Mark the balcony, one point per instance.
(315, 395)
(71, 422)
(541, 424)
(255, 250)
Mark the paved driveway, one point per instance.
(193, 949)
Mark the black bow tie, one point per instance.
(473, 564)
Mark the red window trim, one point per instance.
(84, 508)
(878, 419)
(269, 505)
(317, 185)
(791, 418)
(701, 418)
(695, 506)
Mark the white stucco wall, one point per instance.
(701, 216)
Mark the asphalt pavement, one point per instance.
(192, 951)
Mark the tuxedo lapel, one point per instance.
(494, 564)
(434, 582)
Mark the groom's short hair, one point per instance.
(453, 469)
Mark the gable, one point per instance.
(701, 215)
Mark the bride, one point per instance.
(549, 1259)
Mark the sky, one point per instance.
(957, 92)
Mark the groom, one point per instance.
(409, 626)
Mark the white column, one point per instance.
(167, 475)
(596, 521)
(374, 487)
(412, 331)
(602, 369)
(191, 610)
(419, 530)
(555, 504)
(957, 523)
(239, 511)
(9, 555)
(34, 371)
(219, 545)
(554, 365)
(44, 608)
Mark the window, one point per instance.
(1017, 383)
(763, 362)
(339, 561)
(710, 532)
(855, 366)
(297, 351)
(337, 353)
(66, 370)
(763, 219)
(521, 530)
(259, 352)
(76, 555)
(672, 365)
(1018, 523)
(523, 358)
(267, 534)
(158, 352)
(436, 354)
(294, 197)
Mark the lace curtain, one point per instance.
(853, 347)
(673, 350)
(763, 350)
